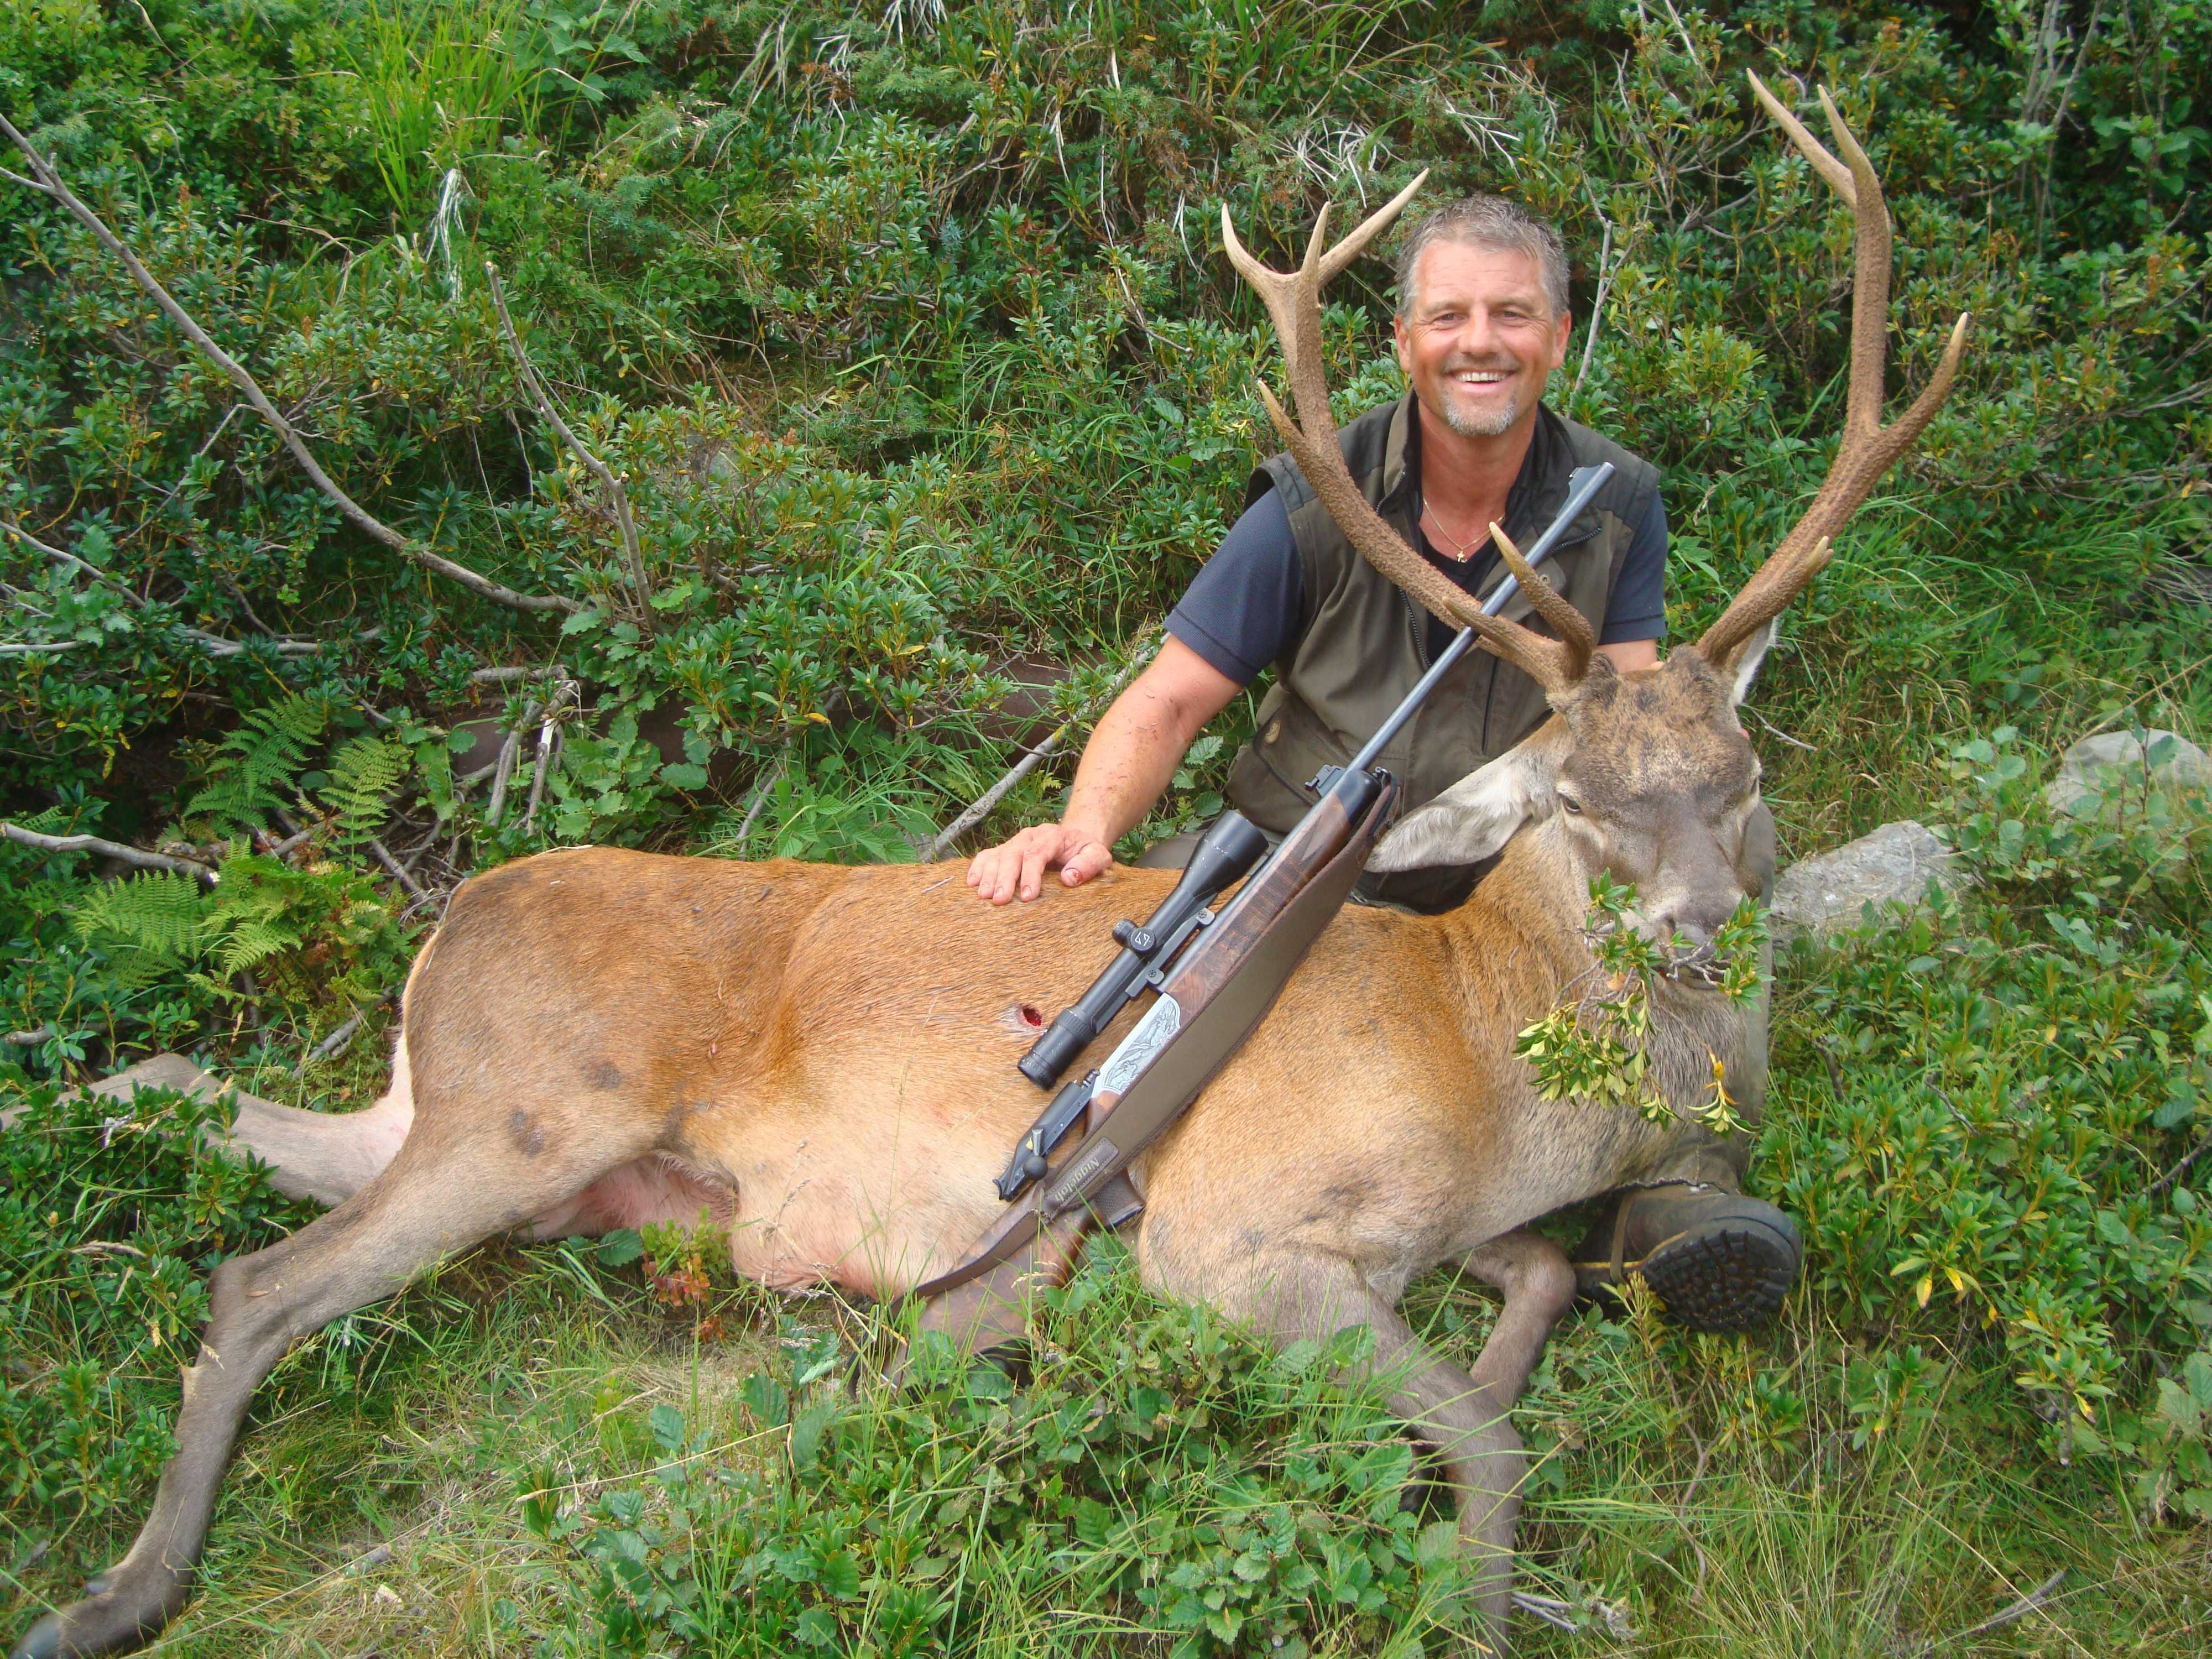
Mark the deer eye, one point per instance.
(1573, 807)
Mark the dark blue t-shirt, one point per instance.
(1247, 606)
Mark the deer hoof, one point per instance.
(43, 1640)
(104, 1622)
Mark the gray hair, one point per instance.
(1490, 222)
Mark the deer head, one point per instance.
(1645, 774)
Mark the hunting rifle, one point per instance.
(1216, 974)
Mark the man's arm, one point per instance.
(1636, 612)
(1125, 767)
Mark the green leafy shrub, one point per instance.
(1161, 1472)
(111, 1215)
(1989, 1113)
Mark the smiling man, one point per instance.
(1482, 323)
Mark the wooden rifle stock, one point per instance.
(1219, 988)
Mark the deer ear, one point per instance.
(1743, 667)
(1472, 819)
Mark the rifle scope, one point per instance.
(1231, 845)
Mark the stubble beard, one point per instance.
(1483, 424)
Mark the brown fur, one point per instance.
(820, 1060)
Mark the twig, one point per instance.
(29, 1039)
(2016, 1611)
(1775, 730)
(333, 1044)
(48, 182)
(617, 496)
(113, 849)
(1597, 304)
(501, 676)
(217, 646)
(981, 807)
(760, 795)
(503, 767)
(2181, 1169)
(393, 868)
(278, 849)
(549, 747)
(1549, 1608)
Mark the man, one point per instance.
(1483, 321)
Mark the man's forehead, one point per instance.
(1449, 271)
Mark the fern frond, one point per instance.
(251, 942)
(253, 770)
(49, 820)
(363, 775)
(146, 924)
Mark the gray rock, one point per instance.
(1892, 866)
(2116, 768)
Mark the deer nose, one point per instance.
(1693, 921)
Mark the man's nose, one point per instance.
(1478, 338)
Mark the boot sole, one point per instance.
(1728, 1276)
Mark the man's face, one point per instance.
(1480, 339)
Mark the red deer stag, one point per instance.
(822, 1058)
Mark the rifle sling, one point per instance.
(1206, 1039)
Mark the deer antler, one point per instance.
(1867, 446)
(1293, 302)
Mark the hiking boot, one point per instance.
(1716, 1260)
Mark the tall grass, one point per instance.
(442, 81)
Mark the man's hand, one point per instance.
(1125, 766)
(1017, 864)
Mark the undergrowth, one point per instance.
(906, 328)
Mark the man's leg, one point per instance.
(1173, 853)
(1717, 1260)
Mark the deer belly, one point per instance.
(655, 1189)
(828, 1229)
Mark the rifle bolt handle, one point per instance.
(1033, 1166)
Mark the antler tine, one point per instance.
(1870, 236)
(1867, 447)
(1574, 631)
(1807, 146)
(1367, 230)
(1293, 302)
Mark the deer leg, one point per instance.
(456, 1182)
(1464, 1416)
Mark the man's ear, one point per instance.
(1744, 669)
(1474, 818)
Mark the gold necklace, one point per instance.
(1460, 552)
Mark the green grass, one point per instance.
(1669, 1513)
(908, 331)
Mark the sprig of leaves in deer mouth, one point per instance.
(1593, 1045)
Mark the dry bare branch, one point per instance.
(982, 807)
(617, 494)
(49, 182)
(113, 849)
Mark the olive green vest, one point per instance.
(1365, 642)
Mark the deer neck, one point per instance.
(1521, 935)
